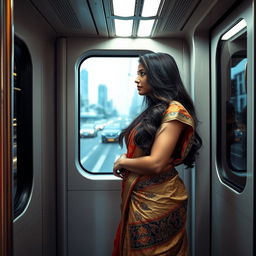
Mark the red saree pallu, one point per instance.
(153, 209)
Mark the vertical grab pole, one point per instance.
(6, 70)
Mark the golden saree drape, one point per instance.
(153, 210)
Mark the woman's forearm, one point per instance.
(144, 165)
(159, 159)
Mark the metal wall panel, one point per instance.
(93, 217)
(232, 211)
(35, 228)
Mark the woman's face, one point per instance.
(141, 81)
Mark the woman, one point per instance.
(154, 199)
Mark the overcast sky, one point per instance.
(118, 74)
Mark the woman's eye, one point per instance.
(141, 73)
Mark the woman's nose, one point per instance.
(137, 80)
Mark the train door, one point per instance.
(99, 106)
(232, 134)
(97, 98)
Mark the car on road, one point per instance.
(88, 130)
(99, 125)
(110, 133)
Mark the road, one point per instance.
(98, 157)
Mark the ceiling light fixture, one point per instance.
(123, 27)
(123, 8)
(234, 30)
(145, 28)
(150, 8)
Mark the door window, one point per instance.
(232, 108)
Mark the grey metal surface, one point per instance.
(34, 229)
(93, 217)
(61, 149)
(201, 175)
(93, 18)
(232, 212)
(67, 17)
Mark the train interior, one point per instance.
(75, 63)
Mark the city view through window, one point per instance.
(232, 110)
(108, 103)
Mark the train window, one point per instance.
(108, 102)
(22, 127)
(232, 107)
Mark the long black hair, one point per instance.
(166, 85)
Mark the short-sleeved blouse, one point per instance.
(176, 111)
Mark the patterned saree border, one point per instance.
(176, 111)
(152, 233)
(155, 179)
(178, 116)
(128, 187)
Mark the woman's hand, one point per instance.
(117, 166)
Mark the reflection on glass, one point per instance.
(232, 117)
(14, 124)
(108, 103)
(236, 111)
(22, 141)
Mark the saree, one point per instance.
(153, 208)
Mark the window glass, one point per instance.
(14, 124)
(22, 131)
(108, 103)
(232, 109)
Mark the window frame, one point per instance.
(87, 55)
(24, 146)
(225, 173)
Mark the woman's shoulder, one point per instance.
(176, 111)
(176, 106)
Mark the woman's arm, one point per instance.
(161, 152)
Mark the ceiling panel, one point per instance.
(67, 17)
(94, 18)
(174, 16)
(179, 15)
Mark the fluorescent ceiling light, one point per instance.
(150, 8)
(145, 28)
(124, 8)
(234, 30)
(123, 27)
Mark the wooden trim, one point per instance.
(6, 67)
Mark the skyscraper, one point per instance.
(84, 97)
(103, 96)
